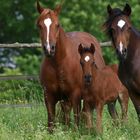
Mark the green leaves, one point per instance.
(18, 23)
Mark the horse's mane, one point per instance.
(107, 24)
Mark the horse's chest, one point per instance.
(62, 80)
(130, 76)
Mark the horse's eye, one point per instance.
(94, 64)
(81, 63)
(58, 25)
(129, 29)
(113, 30)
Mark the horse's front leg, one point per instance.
(50, 103)
(66, 107)
(112, 110)
(76, 103)
(135, 97)
(99, 110)
(123, 100)
(87, 114)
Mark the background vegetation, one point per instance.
(18, 24)
(31, 124)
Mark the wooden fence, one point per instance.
(31, 45)
(38, 45)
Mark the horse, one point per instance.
(61, 74)
(101, 86)
(126, 41)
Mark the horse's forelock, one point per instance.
(107, 25)
(45, 12)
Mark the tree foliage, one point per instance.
(18, 21)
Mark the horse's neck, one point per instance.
(134, 44)
(133, 48)
(61, 47)
(95, 72)
(134, 37)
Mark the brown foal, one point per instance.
(100, 87)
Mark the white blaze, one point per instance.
(121, 23)
(87, 58)
(48, 22)
(121, 46)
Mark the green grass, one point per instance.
(31, 124)
(20, 91)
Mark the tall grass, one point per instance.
(20, 91)
(31, 124)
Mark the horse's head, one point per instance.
(118, 27)
(87, 61)
(48, 24)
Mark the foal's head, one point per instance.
(48, 25)
(87, 62)
(118, 27)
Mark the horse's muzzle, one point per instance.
(49, 52)
(122, 55)
(88, 79)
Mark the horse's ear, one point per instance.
(127, 10)
(80, 49)
(92, 48)
(39, 8)
(109, 9)
(58, 8)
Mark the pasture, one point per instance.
(28, 119)
(23, 114)
(30, 123)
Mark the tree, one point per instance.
(18, 20)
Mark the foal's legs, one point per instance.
(112, 110)
(87, 115)
(99, 110)
(66, 107)
(76, 103)
(50, 104)
(135, 97)
(123, 100)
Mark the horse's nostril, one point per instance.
(88, 78)
(53, 48)
(124, 51)
(44, 48)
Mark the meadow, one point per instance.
(30, 123)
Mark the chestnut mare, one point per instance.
(126, 40)
(100, 87)
(61, 74)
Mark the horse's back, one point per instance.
(111, 77)
(86, 39)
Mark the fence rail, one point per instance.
(29, 45)
(21, 45)
(19, 77)
(38, 45)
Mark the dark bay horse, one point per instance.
(126, 40)
(101, 86)
(61, 74)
